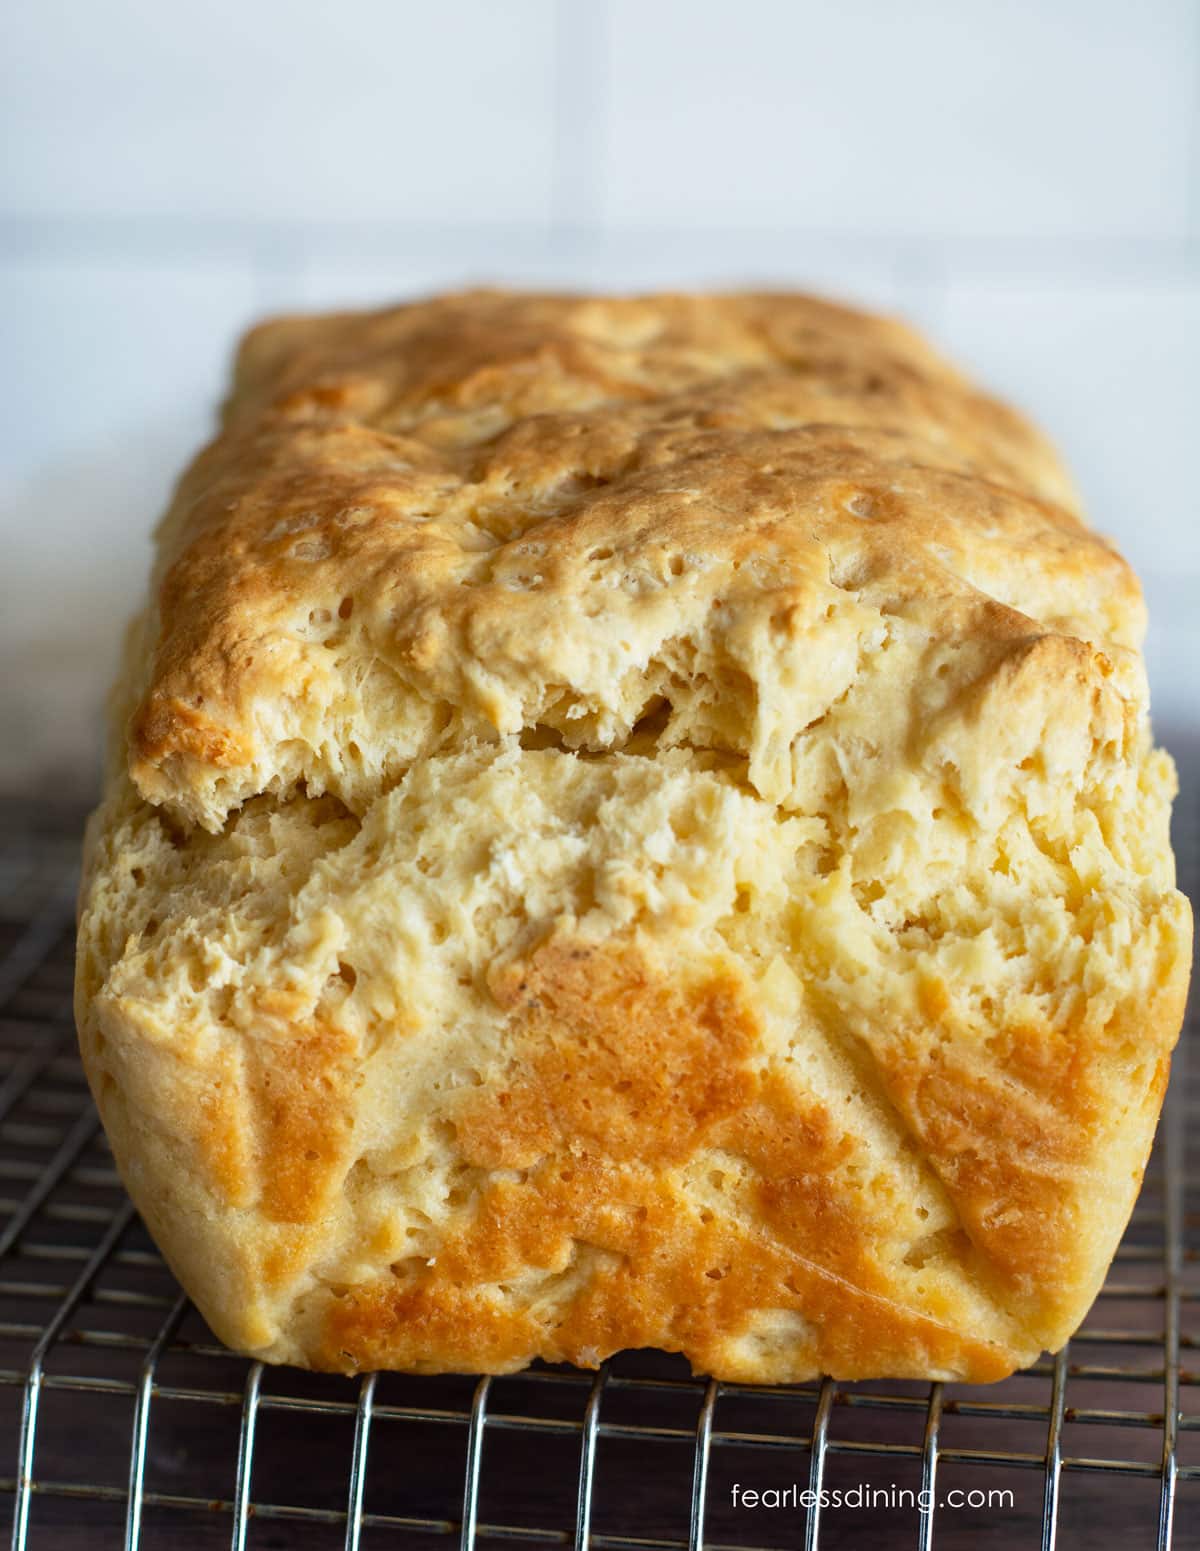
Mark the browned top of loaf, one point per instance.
(489, 511)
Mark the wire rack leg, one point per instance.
(141, 1423)
(816, 1463)
(587, 1459)
(704, 1426)
(1058, 1400)
(29, 1421)
(245, 1462)
(929, 1464)
(470, 1513)
(358, 1463)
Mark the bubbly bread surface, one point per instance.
(632, 822)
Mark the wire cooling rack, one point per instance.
(126, 1424)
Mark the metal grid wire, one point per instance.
(128, 1425)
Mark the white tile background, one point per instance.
(1022, 179)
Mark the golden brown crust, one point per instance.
(634, 823)
(617, 1077)
(448, 495)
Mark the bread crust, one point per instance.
(632, 822)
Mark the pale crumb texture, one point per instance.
(632, 822)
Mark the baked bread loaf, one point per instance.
(631, 823)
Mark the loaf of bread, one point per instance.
(631, 823)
